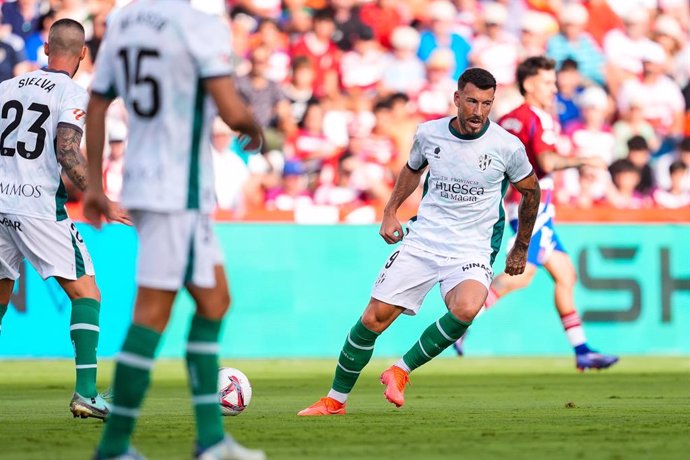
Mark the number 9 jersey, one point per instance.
(155, 56)
(32, 106)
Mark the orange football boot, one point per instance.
(395, 380)
(324, 406)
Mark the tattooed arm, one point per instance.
(527, 215)
(69, 155)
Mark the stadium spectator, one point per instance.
(435, 100)
(602, 19)
(310, 147)
(639, 155)
(535, 29)
(632, 123)
(668, 33)
(574, 43)
(12, 54)
(592, 137)
(405, 120)
(383, 16)
(625, 178)
(231, 172)
(661, 99)
(24, 17)
(300, 89)
(318, 46)
(265, 97)
(268, 35)
(342, 193)
(361, 68)
(348, 23)
(34, 43)
(569, 82)
(404, 71)
(99, 25)
(293, 192)
(496, 50)
(676, 196)
(624, 47)
(440, 35)
(663, 179)
(113, 166)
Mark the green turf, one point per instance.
(528, 408)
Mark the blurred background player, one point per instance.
(172, 66)
(534, 124)
(453, 241)
(43, 118)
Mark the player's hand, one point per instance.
(96, 206)
(391, 230)
(117, 214)
(517, 259)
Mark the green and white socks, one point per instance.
(84, 333)
(435, 338)
(202, 365)
(356, 353)
(132, 377)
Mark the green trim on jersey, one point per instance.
(78, 258)
(467, 137)
(197, 127)
(60, 200)
(499, 226)
(111, 93)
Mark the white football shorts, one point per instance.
(175, 249)
(53, 248)
(409, 274)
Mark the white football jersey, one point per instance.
(156, 55)
(462, 212)
(31, 107)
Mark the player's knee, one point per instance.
(465, 312)
(567, 279)
(374, 320)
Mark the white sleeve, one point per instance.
(517, 165)
(417, 159)
(73, 107)
(210, 45)
(103, 82)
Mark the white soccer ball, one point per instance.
(234, 391)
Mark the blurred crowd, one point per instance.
(339, 87)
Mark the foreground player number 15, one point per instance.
(35, 128)
(141, 79)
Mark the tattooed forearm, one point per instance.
(529, 206)
(69, 155)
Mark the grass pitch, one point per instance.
(530, 408)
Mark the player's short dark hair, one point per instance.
(684, 145)
(531, 67)
(568, 64)
(637, 143)
(479, 77)
(63, 43)
(677, 166)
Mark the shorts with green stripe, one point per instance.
(53, 248)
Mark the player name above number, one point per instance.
(44, 83)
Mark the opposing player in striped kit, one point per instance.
(534, 125)
(172, 66)
(43, 114)
(453, 241)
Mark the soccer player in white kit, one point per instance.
(452, 242)
(42, 117)
(171, 64)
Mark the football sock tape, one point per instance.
(84, 333)
(356, 353)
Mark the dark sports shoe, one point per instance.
(594, 360)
